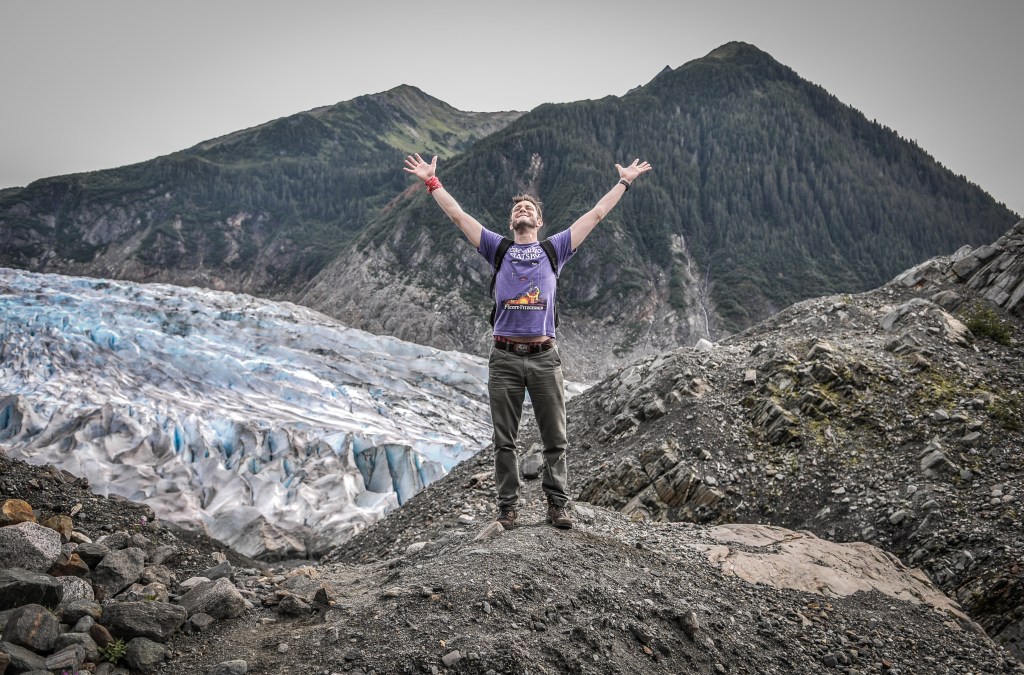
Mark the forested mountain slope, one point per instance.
(260, 210)
(766, 190)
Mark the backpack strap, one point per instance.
(499, 256)
(549, 248)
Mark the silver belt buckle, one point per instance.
(522, 348)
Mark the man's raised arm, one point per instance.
(589, 220)
(415, 165)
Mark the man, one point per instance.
(524, 357)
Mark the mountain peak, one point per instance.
(736, 51)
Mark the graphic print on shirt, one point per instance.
(530, 300)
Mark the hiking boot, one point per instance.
(507, 517)
(559, 517)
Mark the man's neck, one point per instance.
(527, 237)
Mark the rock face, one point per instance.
(993, 273)
(761, 554)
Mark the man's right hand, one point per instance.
(415, 165)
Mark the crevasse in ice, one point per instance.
(272, 426)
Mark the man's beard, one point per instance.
(523, 225)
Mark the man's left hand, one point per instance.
(630, 173)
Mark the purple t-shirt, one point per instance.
(525, 288)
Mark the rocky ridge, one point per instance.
(615, 595)
(892, 417)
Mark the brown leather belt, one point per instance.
(523, 348)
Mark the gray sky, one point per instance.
(93, 84)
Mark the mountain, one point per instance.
(259, 211)
(266, 425)
(766, 190)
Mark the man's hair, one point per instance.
(528, 198)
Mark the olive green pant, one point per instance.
(509, 378)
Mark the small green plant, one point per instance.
(983, 322)
(114, 651)
(1007, 411)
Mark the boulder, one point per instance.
(32, 626)
(144, 655)
(220, 599)
(291, 605)
(92, 554)
(116, 541)
(190, 583)
(22, 660)
(153, 620)
(157, 574)
(703, 345)
(162, 554)
(69, 565)
(200, 622)
(60, 524)
(236, 667)
(220, 571)
(301, 586)
(68, 659)
(76, 589)
(101, 635)
(22, 587)
(29, 546)
(72, 611)
(92, 650)
(117, 571)
(14, 511)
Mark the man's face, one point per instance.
(524, 217)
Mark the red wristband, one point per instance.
(432, 184)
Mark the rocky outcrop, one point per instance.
(117, 603)
(882, 417)
(620, 593)
(994, 272)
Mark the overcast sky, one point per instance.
(94, 84)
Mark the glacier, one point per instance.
(273, 427)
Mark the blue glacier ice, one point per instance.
(274, 427)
